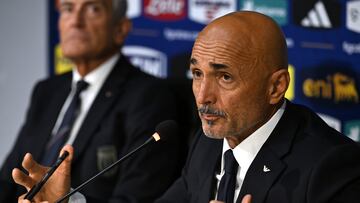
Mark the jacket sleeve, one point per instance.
(9, 190)
(337, 176)
(179, 191)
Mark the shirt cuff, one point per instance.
(77, 197)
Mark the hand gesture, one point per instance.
(57, 185)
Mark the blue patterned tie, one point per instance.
(58, 140)
(228, 181)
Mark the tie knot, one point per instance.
(81, 85)
(231, 164)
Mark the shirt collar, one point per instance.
(246, 151)
(99, 74)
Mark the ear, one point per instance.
(122, 28)
(279, 83)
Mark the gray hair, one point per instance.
(119, 9)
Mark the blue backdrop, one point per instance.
(323, 38)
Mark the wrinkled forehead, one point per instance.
(222, 44)
(223, 51)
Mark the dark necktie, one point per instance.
(61, 136)
(228, 181)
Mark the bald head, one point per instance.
(253, 37)
(239, 67)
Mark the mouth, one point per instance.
(210, 114)
(77, 38)
(76, 35)
(209, 117)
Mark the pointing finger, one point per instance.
(35, 170)
(65, 167)
(22, 179)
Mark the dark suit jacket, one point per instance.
(308, 162)
(124, 114)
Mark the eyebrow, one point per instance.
(86, 2)
(65, 2)
(216, 66)
(193, 61)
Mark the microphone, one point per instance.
(162, 131)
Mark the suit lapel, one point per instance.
(105, 99)
(60, 93)
(261, 175)
(209, 168)
(268, 165)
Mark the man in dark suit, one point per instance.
(254, 144)
(266, 149)
(119, 111)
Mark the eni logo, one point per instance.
(344, 88)
(338, 87)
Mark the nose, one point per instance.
(77, 17)
(204, 91)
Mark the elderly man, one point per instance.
(254, 144)
(253, 141)
(104, 108)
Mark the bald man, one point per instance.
(281, 152)
(254, 145)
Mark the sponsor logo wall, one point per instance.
(323, 38)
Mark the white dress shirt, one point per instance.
(246, 151)
(96, 79)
